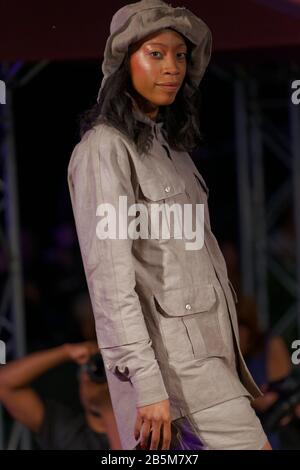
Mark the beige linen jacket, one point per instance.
(165, 316)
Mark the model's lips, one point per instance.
(169, 86)
(175, 84)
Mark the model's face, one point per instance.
(157, 59)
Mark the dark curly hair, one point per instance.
(181, 119)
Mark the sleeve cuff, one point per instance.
(149, 389)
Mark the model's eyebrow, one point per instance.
(164, 45)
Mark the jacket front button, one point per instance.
(109, 366)
(188, 307)
(167, 189)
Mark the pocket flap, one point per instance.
(186, 300)
(155, 190)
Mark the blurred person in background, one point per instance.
(266, 356)
(56, 426)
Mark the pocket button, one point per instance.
(188, 307)
(167, 189)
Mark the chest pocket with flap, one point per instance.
(155, 190)
(162, 195)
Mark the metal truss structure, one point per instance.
(12, 314)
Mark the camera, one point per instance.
(95, 368)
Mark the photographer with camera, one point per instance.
(56, 426)
(268, 360)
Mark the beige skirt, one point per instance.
(231, 425)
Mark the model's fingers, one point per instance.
(166, 435)
(137, 427)
(155, 435)
(145, 431)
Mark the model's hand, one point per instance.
(154, 420)
(81, 352)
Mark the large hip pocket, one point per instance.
(189, 322)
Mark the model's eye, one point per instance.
(155, 52)
(181, 54)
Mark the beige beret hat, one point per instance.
(137, 20)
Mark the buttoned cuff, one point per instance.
(149, 389)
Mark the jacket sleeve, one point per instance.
(99, 172)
